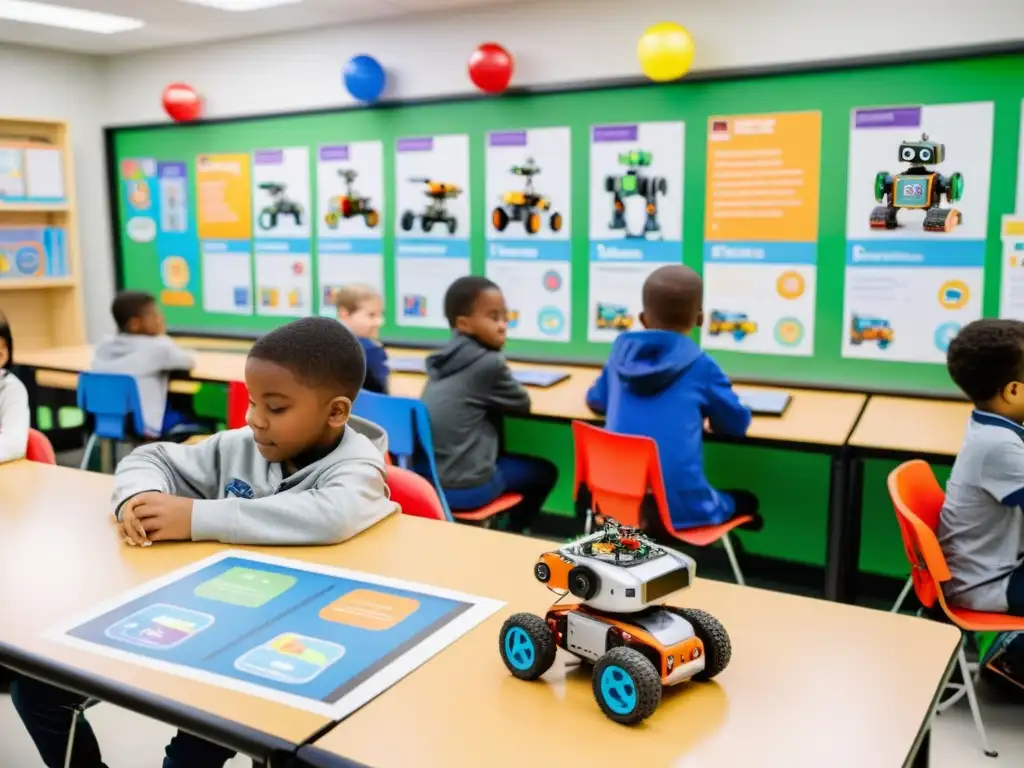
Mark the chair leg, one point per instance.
(903, 595)
(727, 543)
(90, 444)
(588, 522)
(972, 699)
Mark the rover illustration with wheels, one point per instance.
(436, 211)
(525, 206)
(613, 317)
(736, 323)
(350, 204)
(871, 329)
(636, 644)
(633, 183)
(919, 188)
(281, 206)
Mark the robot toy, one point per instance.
(637, 645)
(350, 204)
(436, 212)
(918, 188)
(631, 184)
(282, 206)
(523, 206)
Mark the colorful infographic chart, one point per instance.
(224, 211)
(528, 229)
(432, 227)
(1011, 283)
(33, 252)
(917, 214)
(321, 639)
(636, 218)
(350, 201)
(761, 230)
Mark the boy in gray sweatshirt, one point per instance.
(304, 471)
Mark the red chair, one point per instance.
(238, 404)
(39, 448)
(917, 499)
(415, 494)
(622, 472)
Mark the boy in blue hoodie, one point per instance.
(659, 383)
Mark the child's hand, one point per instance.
(164, 517)
(131, 528)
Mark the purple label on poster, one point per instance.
(615, 133)
(416, 145)
(171, 170)
(268, 157)
(507, 139)
(334, 153)
(903, 117)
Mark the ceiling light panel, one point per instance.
(241, 5)
(49, 15)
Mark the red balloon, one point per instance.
(182, 103)
(490, 68)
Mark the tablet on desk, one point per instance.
(538, 378)
(764, 402)
(407, 364)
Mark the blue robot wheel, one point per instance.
(527, 645)
(626, 685)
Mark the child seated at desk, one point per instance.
(14, 408)
(659, 383)
(469, 387)
(302, 472)
(143, 351)
(981, 526)
(361, 308)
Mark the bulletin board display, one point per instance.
(776, 188)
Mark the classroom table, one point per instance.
(811, 682)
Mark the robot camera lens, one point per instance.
(907, 153)
(925, 154)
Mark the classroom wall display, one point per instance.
(432, 206)
(316, 638)
(282, 244)
(30, 173)
(917, 218)
(529, 188)
(224, 225)
(1011, 281)
(350, 222)
(33, 252)
(761, 232)
(636, 219)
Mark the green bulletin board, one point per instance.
(834, 94)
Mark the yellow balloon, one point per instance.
(665, 51)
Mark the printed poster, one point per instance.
(761, 232)
(528, 229)
(283, 236)
(1011, 291)
(917, 214)
(176, 243)
(32, 173)
(432, 227)
(316, 638)
(636, 218)
(224, 224)
(350, 227)
(33, 252)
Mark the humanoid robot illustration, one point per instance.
(919, 187)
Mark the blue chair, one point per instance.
(110, 399)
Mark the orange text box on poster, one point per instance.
(763, 177)
(224, 192)
(369, 609)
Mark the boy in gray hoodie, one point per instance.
(304, 471)
(469, 387)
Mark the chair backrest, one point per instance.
(39, 448)
(917, 499)
(621, 472)
(110, 398)
(238, 405)
(415, 494)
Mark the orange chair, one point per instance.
(918, 499)
(238, 404)
(415, 494)
(39, 448)
(622, 472)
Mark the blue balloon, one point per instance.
(364, 78)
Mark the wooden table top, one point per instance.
(912, 425)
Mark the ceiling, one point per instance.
(173, 22)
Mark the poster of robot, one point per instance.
(350, 219)
(1011, 289)
(282, 243)
(761, 232)
(917, 216)
(636, 217)
(528, 249)
(432, 225)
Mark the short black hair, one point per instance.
(321, 352)
(130, 304)
(985, 356)
(5, 334)
(461, 296)
(673, 296)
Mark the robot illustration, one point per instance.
(738, 324)
(637, 645)
(350, 204)
(282, 206)
(436, 212)
(918, 188)
(524, 206)
(631, 184)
